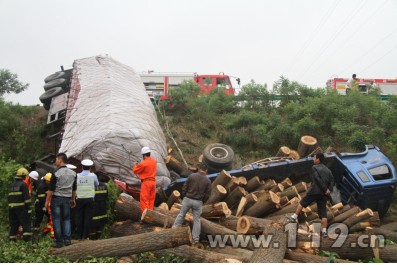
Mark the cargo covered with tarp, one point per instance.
(110, 118)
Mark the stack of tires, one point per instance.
(55, 84)
(218, 157)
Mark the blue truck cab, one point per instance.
(367, 179)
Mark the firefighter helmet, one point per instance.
(22, 172)
(145, 150)
(47, 177)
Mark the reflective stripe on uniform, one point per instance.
(101, 191)
(99, 217)
(16, 204)
(12, 237)
(15, 193)
(41, 195)
(27, 201)
(27, 234)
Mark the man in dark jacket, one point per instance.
(18, 206)
(196, 191)
(322, 183)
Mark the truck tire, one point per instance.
(212, 170)
(47, 105)
(46, 97)
(60, 82)
(56, 75)
(218, 156)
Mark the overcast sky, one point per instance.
(305, 40)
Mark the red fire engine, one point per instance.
(387, 86)
(157, 85)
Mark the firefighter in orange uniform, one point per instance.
(146, 170)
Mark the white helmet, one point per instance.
(145, 150)
(34, 175)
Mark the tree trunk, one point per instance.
(301, 187)
(216, 210)
(240, 208)
(241, 252)
(290, 192)
(283, 151)
(253, 184)
(294, 155)
(230, 222)
(251, 200)
(232, 184)
(391, 235)
(127, 245)
(262, 207)
(306, 145)
(275, 252)
(217, 194)
(286, 183)
(164, 206)
(234, 197)
(343, 216)
(222, 179)
(127, 207)
(173, 164)
(242, 181)
(195, 255)
(290, 208)
(128, 228)
(390, 226)
(251, 225)
(277, 188)
(352, 220)
(309, 258)
(284, 201)
(174, 197)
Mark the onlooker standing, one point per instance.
(196, 191)
(146, 170)
(322, 184)
(62, 194)
(86, 182)
(351, 84)
(18, 206)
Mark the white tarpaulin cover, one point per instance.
(110, 118)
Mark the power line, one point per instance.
(361, 57)
(303, 48)
(334, 36)
(354, 32)
(380, 58)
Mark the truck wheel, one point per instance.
(218, 155)
(217, 170)
(54, 76)
(46, 97)
(55, 83)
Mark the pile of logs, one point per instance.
(246, 208)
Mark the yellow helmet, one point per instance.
(22, 172)
(47, 177)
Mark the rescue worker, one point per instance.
(85, 193)
(32, 181)
(146, 170)
(351, 84)
(100, 216)
(40, 209)
(18, 206)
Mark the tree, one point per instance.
(9, 83)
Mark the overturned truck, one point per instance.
(104, 114)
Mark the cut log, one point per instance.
(345, 209)
(253, 184)
(242, 181)
(232, 184)
(309, 258)
(286, 183)
(241, 206)
(261, 194)
(294, 155)
(374, 220)
(263, 207)
(217, 194)
(222, 179)
(352, 220)
(306, 145)
(230, 222)
(164, 206)
(388, 253)
(127, 245)
(128, 228)
(390, 226)
(301, 187)
(216, 210)
(277, 188)
(196, 255)
(251, 225)
(290, 208)
(289, 192)
(268, 184)
(361, 226)
(174, 197)
(338, 206)
(241, 252)
(173, 164)
(275, 252)
(251, 200)
(343, 216)
(283, 151)
(156, 218)
(235, 196)
(388, 234)
(127, 207)
(284, 201)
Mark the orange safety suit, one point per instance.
(27, 181)
(146, 170)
